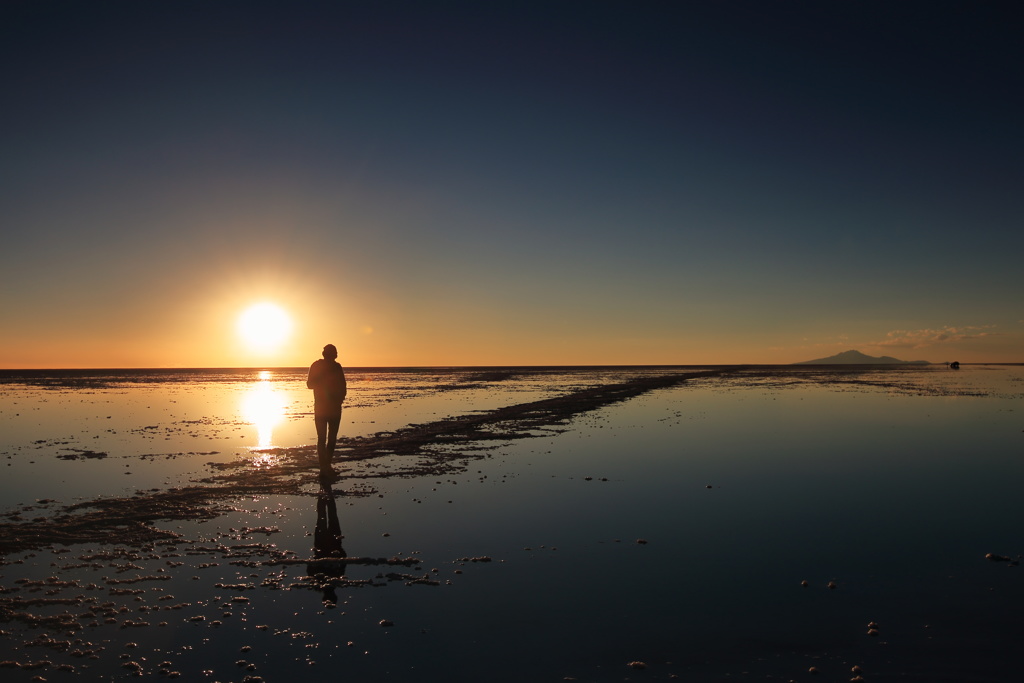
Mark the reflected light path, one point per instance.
(264, 407)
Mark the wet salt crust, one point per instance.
(706, 524)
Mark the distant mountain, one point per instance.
(857, 358)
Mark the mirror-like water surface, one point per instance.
(673, 529)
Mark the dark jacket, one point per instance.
(327, 380)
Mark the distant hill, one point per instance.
(857, 358)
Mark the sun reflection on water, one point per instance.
(264, 406)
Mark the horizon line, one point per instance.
(471, 367)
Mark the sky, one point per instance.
(510, 183)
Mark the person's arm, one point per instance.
(344, 384)
(311, 378)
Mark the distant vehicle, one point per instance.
(955, 365)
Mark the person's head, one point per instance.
(330, 352)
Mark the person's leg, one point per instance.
(333, 424)
(321, 440)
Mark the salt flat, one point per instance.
(164, 525)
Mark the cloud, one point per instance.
(919, 339)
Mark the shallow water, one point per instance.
(672, 529)
(159, 427)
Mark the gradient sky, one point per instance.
(509, 183)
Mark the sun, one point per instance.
(264, 326)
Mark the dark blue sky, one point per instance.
(559, 182)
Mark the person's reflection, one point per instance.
(328, 554)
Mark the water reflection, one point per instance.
(328, 553)
(264, 407)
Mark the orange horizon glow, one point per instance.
(355, 354)
(200, 330)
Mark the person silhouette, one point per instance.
(328, 553)
(327, 380)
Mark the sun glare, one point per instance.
(264, 407)
(264, 326)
